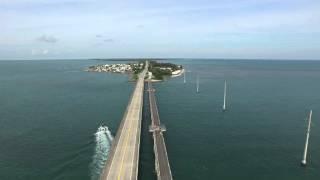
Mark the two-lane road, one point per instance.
(122, 163)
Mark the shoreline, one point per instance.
(172, 76)
(153, 80)
(179, 74)
(131, 70)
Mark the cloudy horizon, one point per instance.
(248, 29)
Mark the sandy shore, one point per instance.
(177, 73)
(155, 80)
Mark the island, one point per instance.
(157, 71)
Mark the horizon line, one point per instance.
(160, 58)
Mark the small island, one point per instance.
(160, 71)
(118, 68)
(156, 72)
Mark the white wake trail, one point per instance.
(103, 143)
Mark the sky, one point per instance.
(247, 29)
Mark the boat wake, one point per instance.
(103, 140)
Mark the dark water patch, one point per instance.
(146, 158)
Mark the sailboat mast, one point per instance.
(197, 83)
(224, 96)
(304, 160)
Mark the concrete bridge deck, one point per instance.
(123, 158)
(161, 157)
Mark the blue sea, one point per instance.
(50, 112)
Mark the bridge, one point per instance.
(123, 157)
(161, 157)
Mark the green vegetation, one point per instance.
(134, 77)
(160, 70)
(138, 68)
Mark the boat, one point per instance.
(304, 158)
(224, 96)
(102, 129)
(197, 84)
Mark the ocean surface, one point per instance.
(50, 112)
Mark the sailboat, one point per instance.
(184, 76)
(304, 158)
(197, 83)
(224, 96)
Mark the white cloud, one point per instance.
(15, 2)
(39, 52)
(47, 39)
(148, 24)
(110, 40)
(45, 51)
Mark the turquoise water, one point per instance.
(49, 113)
(51, 110)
